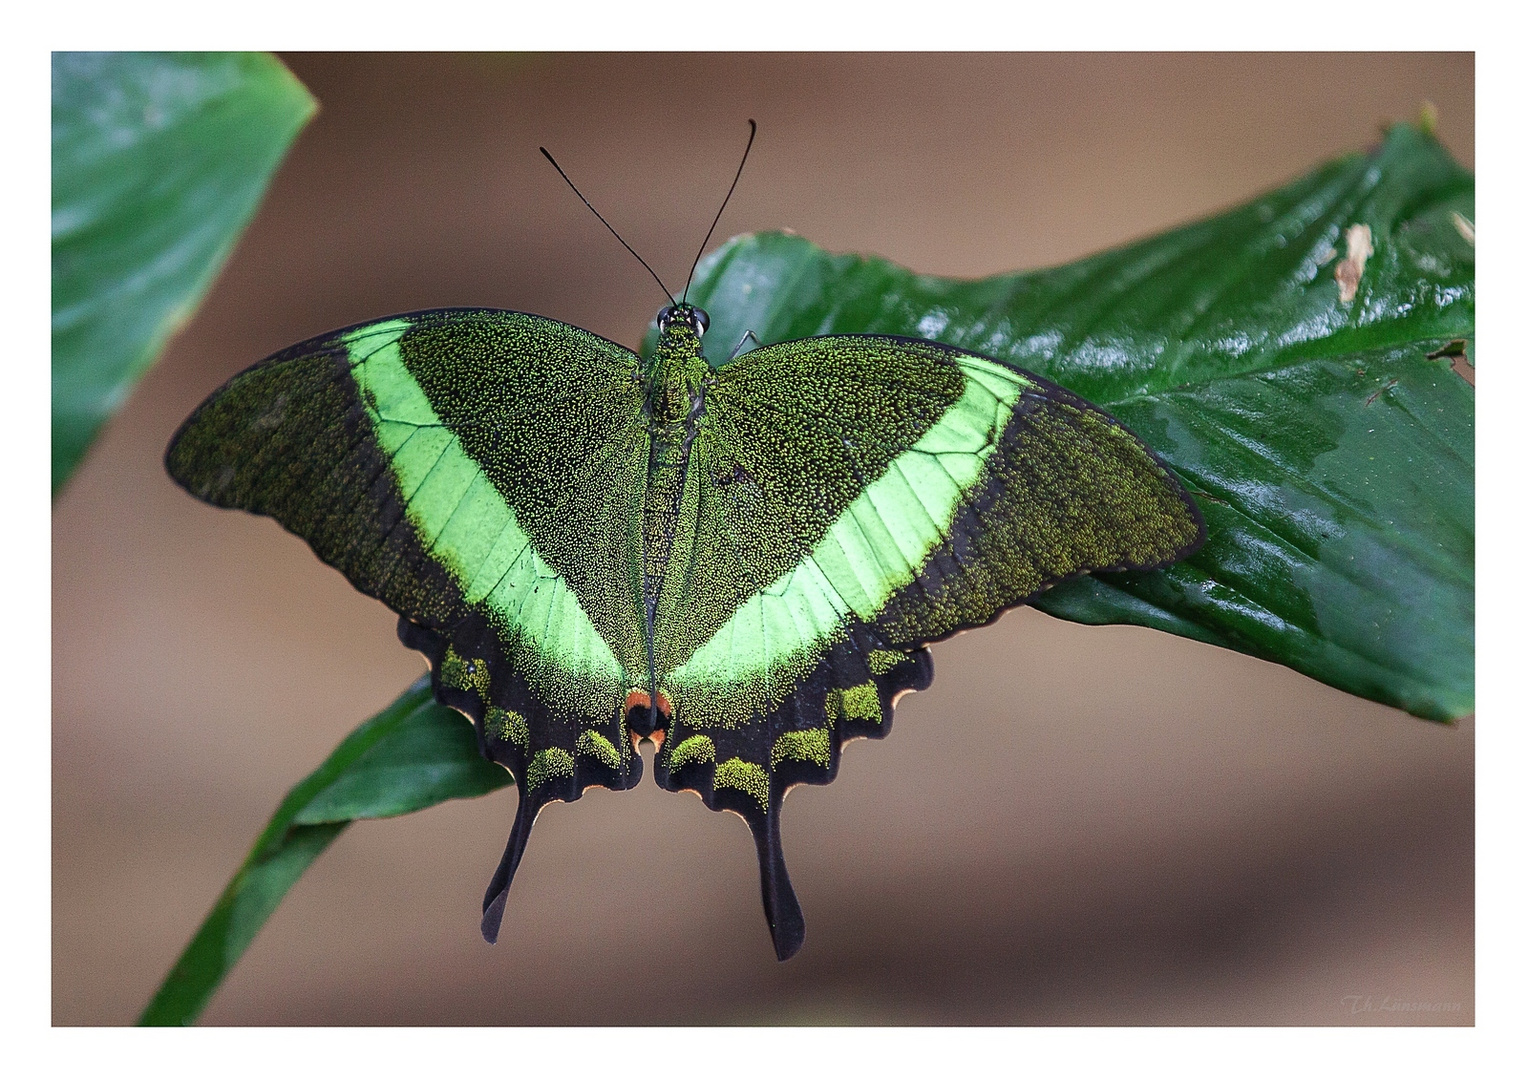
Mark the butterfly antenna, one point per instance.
(753, 129)
(609, 226)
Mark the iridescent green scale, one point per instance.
(744, 565)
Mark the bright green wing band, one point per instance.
(1067, 490)
(876, 546)
(553, 417)
(465, 524)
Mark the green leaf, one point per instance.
(411, 755)
(159, 161)
(1333, 459)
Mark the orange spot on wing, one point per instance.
(641, 699)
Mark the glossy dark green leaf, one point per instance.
(411, 755)
(159, 161)
(1333, 459)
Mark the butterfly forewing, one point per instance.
(477, 471)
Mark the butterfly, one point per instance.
(745, 564)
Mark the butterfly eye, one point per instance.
(702, 320)
(664, 315)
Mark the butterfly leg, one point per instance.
(757, 344)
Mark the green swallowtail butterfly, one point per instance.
(744, 564)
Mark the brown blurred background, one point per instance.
(1119, 827)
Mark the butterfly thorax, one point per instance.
(675, 376)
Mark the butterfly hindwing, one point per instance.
(478, 471)
(750, 766)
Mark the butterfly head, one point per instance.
(683, 315)
(678, 364)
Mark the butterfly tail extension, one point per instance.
(787, 926)
(498, 888)
(748, 768)
(553, 755)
